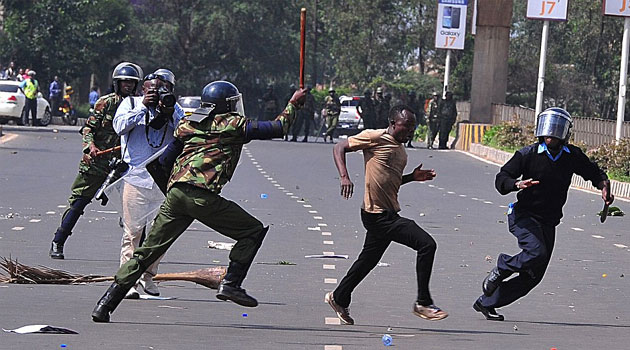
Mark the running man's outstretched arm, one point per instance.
(419, 174)
(339, 155)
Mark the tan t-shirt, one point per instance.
(385, 159)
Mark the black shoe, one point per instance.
(294, 139)
(56, 250)
(409, 145)
(230, 291)
(492, 281)
(108, 303)
(489, 312)
(305, 139)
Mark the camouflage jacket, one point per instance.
(332, 104)
(213, 147)
(98, 129)
(448, 110)
(432, 110)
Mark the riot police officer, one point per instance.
(98, 135)
(205, 154)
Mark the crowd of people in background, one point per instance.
(437, 113)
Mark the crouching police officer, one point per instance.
(542, 173)
(98, 135)
(205, 154)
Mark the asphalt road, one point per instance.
(575, 306)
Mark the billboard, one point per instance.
(450, 32)
(616, 8)
(553, 10)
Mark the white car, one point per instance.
(12, 102)
(189, 103)
(350, 122)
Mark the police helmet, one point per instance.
(331, 89)
(31, 73)
(379, 90)
(165, 75)
(554, 122)
(125, 71)
(221, 97)
(411, 93)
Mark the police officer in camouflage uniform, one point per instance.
(98, 135)
(447, 114)
(414, 104)
(205, 154)
(433, 122)
(333, 109)
(306, 116)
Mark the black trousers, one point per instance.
(382, 229)
(445, 128)
(536, 241)
(31, 106)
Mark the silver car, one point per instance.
(12, 101)
(350, 122)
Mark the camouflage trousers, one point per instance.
(185, 203)
(331, 121)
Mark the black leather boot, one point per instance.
(108, 303)
(492, 281)
(230, 286)
(56, 250)
(488, 312)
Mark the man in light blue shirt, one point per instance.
(93, 97)
(146, 125)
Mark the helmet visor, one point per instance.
(553, 125)
(236, 103)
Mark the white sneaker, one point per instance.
(132, 293)
(146, 281)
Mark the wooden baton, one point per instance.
(302, 45)
(106, 151)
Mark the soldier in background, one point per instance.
(382, 109)
(333, 108)
(413, 103)
(447, 115)
(286, 100)
(98, 135)
(367, 111)
(305, 116)
(270, 104)
(433, 122)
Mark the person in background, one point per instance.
(93, 97)
(54, 95)
(30, 88)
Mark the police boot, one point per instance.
(108, 303)
(230, 287)
(492, 281)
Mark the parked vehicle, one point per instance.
(12, 101)
(350, 122)
(189, 103)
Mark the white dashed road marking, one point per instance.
(330, 280)
(328, 267)
(332, 320)
(577, 229)
(620, 245)
(326, 233)
(597, 236)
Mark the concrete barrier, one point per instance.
(619, 189)
(469, 133)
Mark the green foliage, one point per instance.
(82, 110)
(508, 136)
(614, 159)
(421, 133)
(68, 38)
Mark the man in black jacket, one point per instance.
(542, 173)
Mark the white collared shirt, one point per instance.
(138, 141)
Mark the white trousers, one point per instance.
(139, 206)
